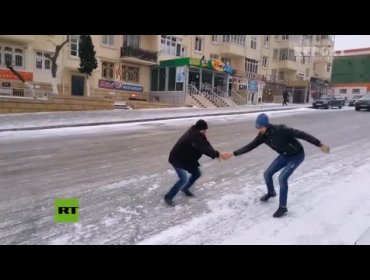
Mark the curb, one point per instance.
(143, 120)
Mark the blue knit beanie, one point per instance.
(262, 121)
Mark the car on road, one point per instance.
(363, 103)
(338, 97)
(353, 100)
(328, 101)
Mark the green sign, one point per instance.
(186, 61)
(66, 210)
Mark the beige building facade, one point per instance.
(125, 61)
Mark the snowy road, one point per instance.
(120, 173)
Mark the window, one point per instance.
(356, 91)
(130, 74)
(12, 55)
(172, 45)
(281, 76)
(328, 67)
(254, 42)
(154, 79)
(266, 41)
(108, 40)
(295, 38)
(251, 66)
(132, 41)
(307, 72)
(285, 37)
(162, 79)
(287, 54)
(198, 44)
(343, 91)
(264, 61)
(214, 38)
(108, 70)
(292, 56)
(234, 39)
(275, 55)
(42, 62)
(283, 54)
(171, 78)
(18, 57)
(74, 45)
(273, 74)
(276, 37)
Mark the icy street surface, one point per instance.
(120, 173)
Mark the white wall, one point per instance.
(349, 94)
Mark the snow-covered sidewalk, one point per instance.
(31, 121)
(324, 208)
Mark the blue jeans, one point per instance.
(289, 163)
(183, 181)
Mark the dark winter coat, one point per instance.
(282, 139)
(189, 149)
(285, 95)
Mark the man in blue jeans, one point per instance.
(184, 158)
(283, 140)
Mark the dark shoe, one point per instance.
(267, 196)
(188, 193)
(169, 201)
(280, 212)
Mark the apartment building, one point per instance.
(165, 65)
(123, 63)
(260, 63)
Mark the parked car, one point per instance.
(338, 97)
(363, 103)
(354, 99)
(327, 101)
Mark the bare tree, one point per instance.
(15, 72)
(54, 66)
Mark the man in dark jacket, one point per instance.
(184, 158)
(283, 140)
(285, 97)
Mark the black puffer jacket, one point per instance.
(282, 139)
(189, 149)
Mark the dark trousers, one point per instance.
(288, 164)
(184, 182)
(285, 101)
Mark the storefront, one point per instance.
(170, 80)
(317, 88)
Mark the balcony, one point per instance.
(232, 49)
(323, 59)
(326, 41)
(139, 56)
(287, 64)
(288, 44)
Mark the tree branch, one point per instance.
(54, 65)
(14, 72)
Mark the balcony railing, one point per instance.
(22, 93)
(141, 54)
